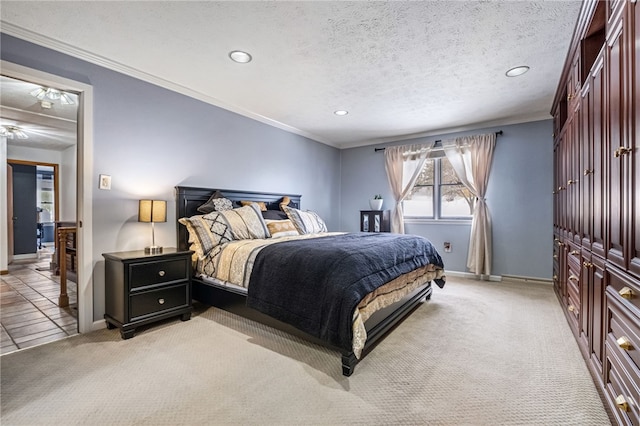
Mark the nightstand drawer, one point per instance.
(152, 302)
(158, 272)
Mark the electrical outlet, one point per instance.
(447, 247)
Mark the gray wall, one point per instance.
(150, 139)
(518, 196)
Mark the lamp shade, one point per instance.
(152, 211)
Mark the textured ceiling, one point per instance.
(400, 68)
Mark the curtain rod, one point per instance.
(498, 133)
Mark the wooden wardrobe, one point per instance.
(597, 199)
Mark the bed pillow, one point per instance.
(281, 228)
(245, 222)
(286, 202)
(205, 232)
(274, 215)
(217, 202)
(261, 204)
(307, 222)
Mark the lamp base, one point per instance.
(153, 250)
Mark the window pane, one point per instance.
(456, 201)
(448, 174)
(426, 176)
(419, 202)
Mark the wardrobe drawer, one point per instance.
(624, 289)
(620, 391)
(623, 333)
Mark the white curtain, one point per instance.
(403, 165)
(471, 159)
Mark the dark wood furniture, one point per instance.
(68, 247)
(142, 288)
(64, 236)
(596, 260)
(188, 199)
(375, 221)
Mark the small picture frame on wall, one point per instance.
(104, 182)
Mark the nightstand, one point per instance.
(142, 288)
(375, 221)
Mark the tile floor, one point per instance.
(29, 313)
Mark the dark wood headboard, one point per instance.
(188, 199)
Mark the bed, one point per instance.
(263, 277)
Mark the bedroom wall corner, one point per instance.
(519, 199)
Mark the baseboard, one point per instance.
(496, 278)
(529, 280)
(98, 325)
(473, 276)
(4, 272)
(28, 256)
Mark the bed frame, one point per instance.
(188, 199)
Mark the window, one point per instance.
(439, 194)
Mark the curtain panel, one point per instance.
(471, 158)
(403, 165)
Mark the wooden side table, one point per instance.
(141, 288)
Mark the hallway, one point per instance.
(29, 314)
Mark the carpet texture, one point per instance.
(478, 353)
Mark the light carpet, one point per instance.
(477, 353)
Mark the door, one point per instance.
(25, 216)
(9, 213)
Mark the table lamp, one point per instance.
(152, 211)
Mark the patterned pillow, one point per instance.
(281, 228)
(245, 222)
(205, 232)
(217, 202)
(305, 222)
(261, 204)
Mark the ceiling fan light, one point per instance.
(13, 131)
(39, 93)
(53, 94)
(65, 99)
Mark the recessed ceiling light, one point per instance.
(240, 56)
(516, 71)
(341, 112)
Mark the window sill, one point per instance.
(421, 221)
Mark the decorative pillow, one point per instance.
(245, 222)
(206, 232)
(261, 204)
(286, 202)
(307, 222)
(217, 202)
(281, 228)
(274, 215)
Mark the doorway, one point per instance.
(80, 179)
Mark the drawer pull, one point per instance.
(622, 151)
(574, 252)
(573, 278)
(587, 264)
(587, 172)
(571, 308)
(621, 403)
(626, 293)
(161, 273)
(571, 181)
(161, 301)
(624, 343)
(555, 278)
(555, 256)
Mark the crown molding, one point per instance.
(59, 46)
